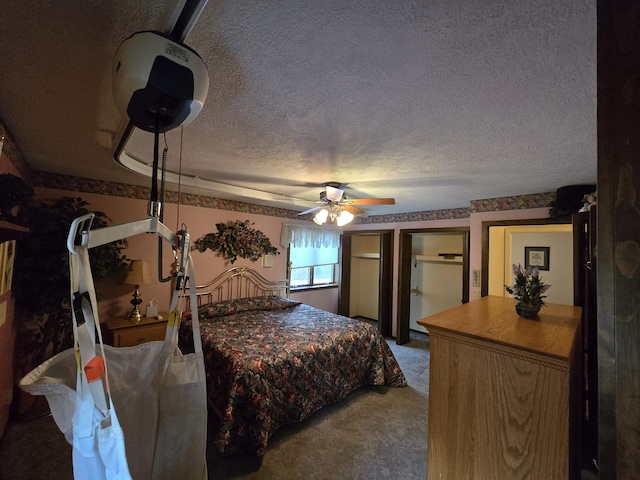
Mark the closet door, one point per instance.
(404, 301)
(386, 278)
(344, 297)
(381, 299)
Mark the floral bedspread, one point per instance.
(270, 367)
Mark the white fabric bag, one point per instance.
(159, 395)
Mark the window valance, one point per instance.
(305, 236)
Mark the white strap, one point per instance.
(85, 314)
(173, 324)
(195, 323)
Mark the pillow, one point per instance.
(229, 307)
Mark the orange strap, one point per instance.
(94, 370)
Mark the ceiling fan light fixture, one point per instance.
(338, 209)
(344, 217)
(321, 217)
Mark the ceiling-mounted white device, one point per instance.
(158, 83)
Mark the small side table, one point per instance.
(125, 332)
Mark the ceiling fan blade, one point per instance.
(311, 210)
(333, 194)
(373, 201)
(352, 209)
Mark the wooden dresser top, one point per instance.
(494, 319)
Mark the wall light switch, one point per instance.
(476, 278)
(267, 260)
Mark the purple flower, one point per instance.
(528, 288)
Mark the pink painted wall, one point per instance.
(7, 334)
(7, 167)
(114, 297)
(199, 221)
(7, 339)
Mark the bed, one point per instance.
(271, 360)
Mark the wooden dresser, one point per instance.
(503, 392)
(124, 332)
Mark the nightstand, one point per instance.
(125, 332)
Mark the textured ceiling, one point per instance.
(434, 103)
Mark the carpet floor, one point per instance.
(374, 433)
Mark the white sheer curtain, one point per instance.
(307, 236)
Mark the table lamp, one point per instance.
(140, 274)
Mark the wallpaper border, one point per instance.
(87, 185)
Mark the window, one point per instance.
(313, 252)
(313, 266)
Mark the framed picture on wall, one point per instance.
(536, 257)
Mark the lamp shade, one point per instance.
(321, 216)
(140, 273)
(344, 218)
(334, 213)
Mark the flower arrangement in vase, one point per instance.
(528, 290)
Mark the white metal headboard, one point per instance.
(239, 282)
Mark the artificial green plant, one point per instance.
(41, 273)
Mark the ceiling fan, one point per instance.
(337, 208)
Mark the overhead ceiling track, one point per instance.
(145, 169)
